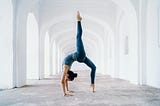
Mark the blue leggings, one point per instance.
(80, 54)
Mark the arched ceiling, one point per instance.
(103, 9)
(89, 43)
(58, 17)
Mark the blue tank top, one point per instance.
(69, 60)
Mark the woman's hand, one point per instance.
(68, 93)
(71, 91)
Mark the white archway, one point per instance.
(93, 39)
(105, 28)
(32, 47)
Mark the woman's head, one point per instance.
(71, 75)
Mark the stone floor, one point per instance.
(109, 92)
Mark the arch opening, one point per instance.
(32, 47)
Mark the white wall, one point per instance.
(123, 57)
(153, 50)
(128, 67)
(127, 45)
(6, 44)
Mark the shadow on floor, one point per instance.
(1, 89)
(35, 85)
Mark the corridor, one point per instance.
(109, 92)
(121, 37)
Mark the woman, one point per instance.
(79, 56)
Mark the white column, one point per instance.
(51, 57)
(54, 58)
(21, 49)
(106, 51)
(59, 60)
(142, 42)
(6, 44)
(47, 54)
(41, 57)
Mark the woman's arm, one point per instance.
(63, 82)
(67, 85)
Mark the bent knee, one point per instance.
(94, 67)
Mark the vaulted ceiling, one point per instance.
(58, 17)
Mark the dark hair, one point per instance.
(71, 75)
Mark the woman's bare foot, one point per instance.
(79, 18)
(92, 87)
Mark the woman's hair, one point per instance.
(71, 75)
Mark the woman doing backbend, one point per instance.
(79, 56)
